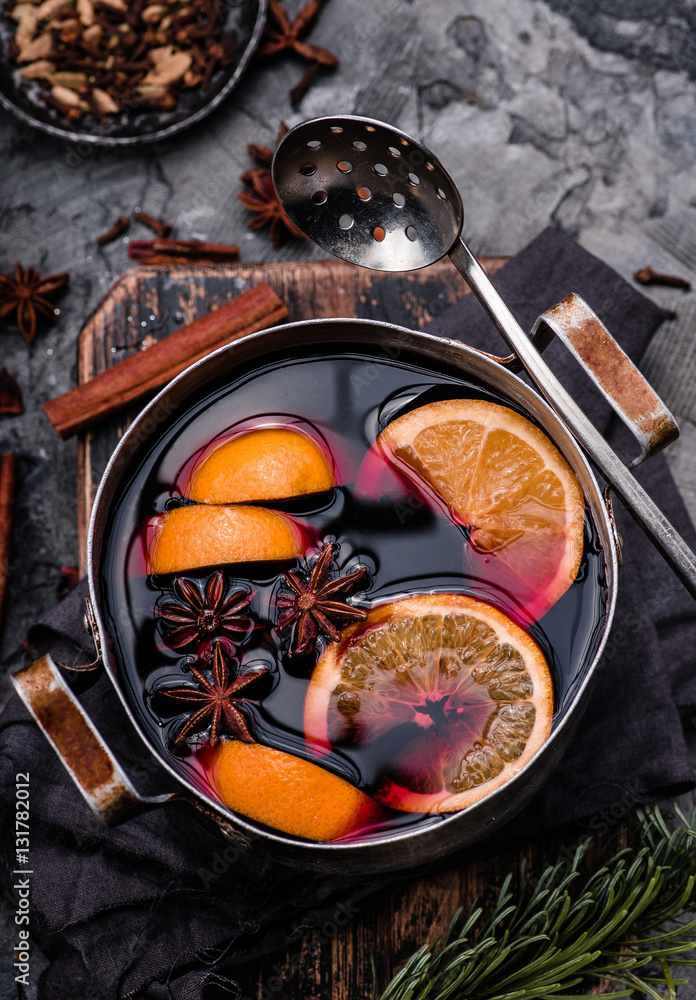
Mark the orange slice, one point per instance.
(507, 484)
(272, 463)
(192, 537)
(288, 793)
(447, 696)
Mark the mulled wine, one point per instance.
(218, 652)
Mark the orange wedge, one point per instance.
(192, 537)
(507, 484)
(449, 697)
(288, 793)
(272, 463)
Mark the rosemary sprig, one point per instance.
(560, 934)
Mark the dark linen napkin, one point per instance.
(158, 907)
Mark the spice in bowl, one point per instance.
(103, 57)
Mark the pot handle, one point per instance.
(83, 752)
(612, 371)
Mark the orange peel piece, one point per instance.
(193, 537)
(270, 463)
(288, 793)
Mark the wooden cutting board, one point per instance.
(146, 304)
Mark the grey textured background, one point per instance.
(577, 114)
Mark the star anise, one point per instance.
(25, 293)
(319, 605)
(262, 198)
(203, 614)
(216, 698)
(281, 34)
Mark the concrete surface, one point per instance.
(578, 114)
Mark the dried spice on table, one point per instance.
(283, 35)
(105, 56)
(119, 227)
(303, 85)
(647, 276)
(158, 226)
(218, 699)
(319, 605)
(168, 251)
(11, 403)
(25, 293)
(262, 199)
(197, 615)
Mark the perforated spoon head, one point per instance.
(367, 192)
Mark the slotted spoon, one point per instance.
(372, 195)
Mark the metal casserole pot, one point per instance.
(98, 775)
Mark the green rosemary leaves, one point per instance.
(561, 934)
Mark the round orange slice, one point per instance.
(195, 536)
(507, 484)
(271, 463)
(288, 793)
(445, 696)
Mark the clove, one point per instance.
(120, 226)
(646, 276)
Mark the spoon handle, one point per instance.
(650, 518)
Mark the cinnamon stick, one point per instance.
(8, 476)
(142, 373)
(11, 403)
(171, 251)
(158, 226)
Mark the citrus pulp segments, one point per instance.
(506, 482)
(397, 693)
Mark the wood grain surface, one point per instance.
(147, 303)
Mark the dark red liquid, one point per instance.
(408, 544)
